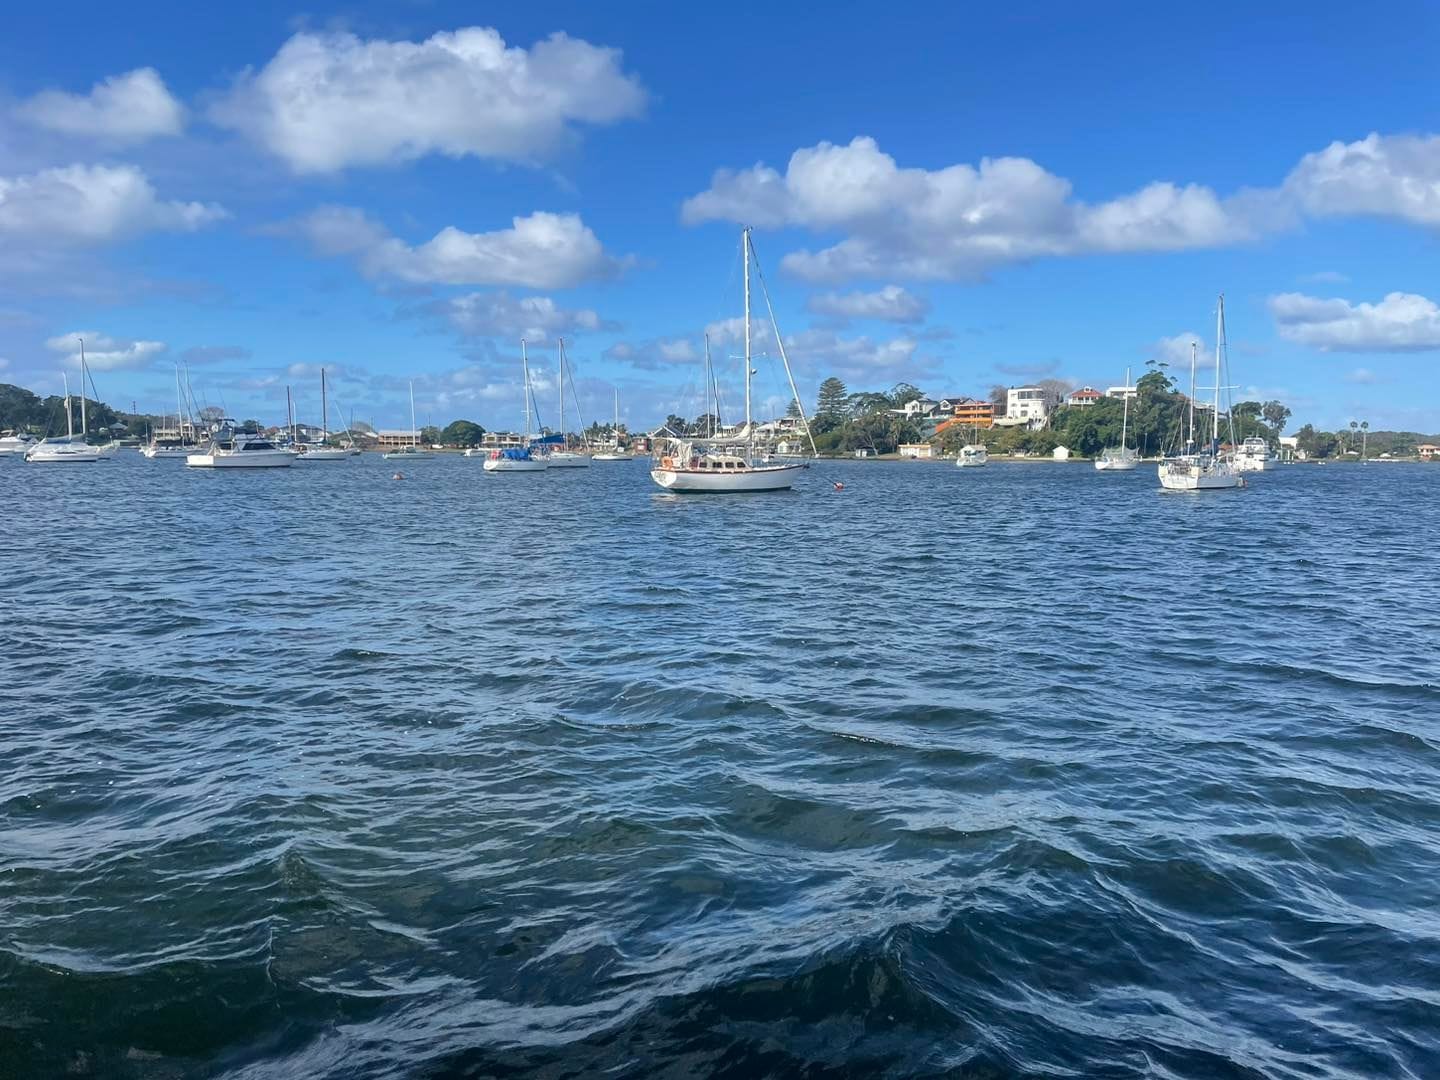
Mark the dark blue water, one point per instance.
(1019, 771)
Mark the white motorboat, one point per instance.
(72, 449)
(16, 443)
(972, 456)
(1255, 455)
(1122, 458)
(230, 449)
(522, 458)
(729, 463)
(567, 459)
(413, 451)
(1207, 469)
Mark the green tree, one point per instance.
(677, 424)
(1245, 410)
(901, 394)
(831, 406)
(463, 433)
(1277, 415)
(429, 434)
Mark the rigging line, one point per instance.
(780, 341)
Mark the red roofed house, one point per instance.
(1084, 397)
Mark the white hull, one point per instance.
(242, 459)
(167, 451)
(15, 447)
(70, 453)
(1251, 464)
(1123, 461)
(972, 457)
(613, 456)
(408, 455)
(327, 453)
(502, 465)
(565, 459)
(760, 478)
(1185, 477)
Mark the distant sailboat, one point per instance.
(1120, 458)
(518, 459)
(73, 449)
(562, 457)
(613, 450)
(179, 442)
(726, 464)
(323, 451)
(410, 451)
(1208, 469)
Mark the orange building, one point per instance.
(973, 413)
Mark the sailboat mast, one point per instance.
(179, 406)
(324, 409)
(1219, 337)
(84, 425)
(560, 367)
(290, 413)
(1125, 417)
(615, 428)
(414, 431)
(525, 389)
(1190, 442)
(709, 380)
(69, 416)
(745, 243)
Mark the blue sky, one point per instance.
(950, 196)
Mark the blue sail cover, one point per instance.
(521, 454)
(548, 440)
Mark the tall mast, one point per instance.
(709, 379)
(290, 413)
(749, 437)
(324, 409)
(560, 366)
(1190, 442)
(615, 427)
(525, 389)
(1125, 417)
(414, 431)
(1219, 337)
(179, 405)
(69, 416)
(84, 426)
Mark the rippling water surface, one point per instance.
(1021, 771)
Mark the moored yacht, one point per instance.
(1122, 458)
(16, 442)
(523, 458)
(1207, 469)
(728, 463)
(1254, 455)
(413, 451)
(972, 456)
(73, 448)
(231, 449)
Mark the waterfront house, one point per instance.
(1084, 397)
(865, 452)
(1428, 451)
(1121, 392)
(1061, 453)
(969, 412)
(391, 438)
(1025, 406)
(916, 450)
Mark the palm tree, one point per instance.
(1353, 426)
(1364, 437)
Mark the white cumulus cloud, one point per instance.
(328, 101)
(132, 106)
(890, 304)
(955, 222)
(1401, 322)
(103, 352)
(498, 314)
(1380, 175)
(92, 204)
(541, 251)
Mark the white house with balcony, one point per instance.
(1025, 406)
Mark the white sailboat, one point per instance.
(1120, 458)
(73, 449)
(176, 442)
(518, 459)
(613, 450)
(323, 451)
(563, 457)
(413, 451)
(728, 464)
(1208, 469)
